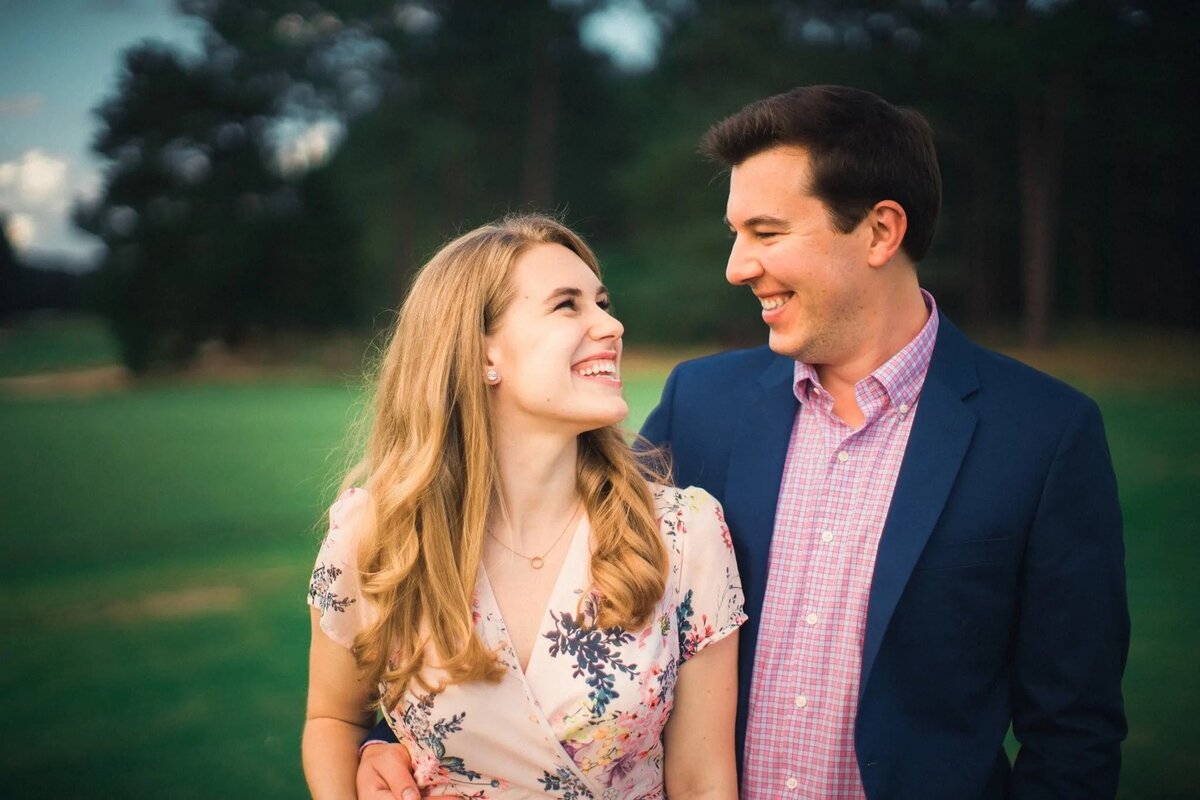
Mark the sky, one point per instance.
(60, 58)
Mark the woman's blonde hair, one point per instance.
(430, 469)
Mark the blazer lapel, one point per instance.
(939, 439)
(755, 470)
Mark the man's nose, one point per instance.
(742, 267)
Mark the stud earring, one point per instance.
(493, 376)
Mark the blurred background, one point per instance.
(209, 209)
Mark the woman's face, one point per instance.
(556, 349)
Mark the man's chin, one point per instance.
(786, 346)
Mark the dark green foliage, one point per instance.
(205, 240)
(1072, 114)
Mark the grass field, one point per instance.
(158, 543)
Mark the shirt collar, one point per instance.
(901, 376)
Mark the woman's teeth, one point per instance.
(774, 301)
(598, 368)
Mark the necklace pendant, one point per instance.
(536, 562)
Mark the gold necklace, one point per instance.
(537, 562)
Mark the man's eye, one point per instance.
(766, 234)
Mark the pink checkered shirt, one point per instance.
(834, 498)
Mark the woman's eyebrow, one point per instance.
(571, 291)
(564, 291)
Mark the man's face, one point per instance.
(811, 280)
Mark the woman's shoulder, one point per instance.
(351, 509)
(334, 588)
(690, 499)
(350, 516)
(689, 512)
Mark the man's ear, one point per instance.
(888, 224)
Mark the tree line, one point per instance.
(1064, 131)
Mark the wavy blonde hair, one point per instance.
(430, 469)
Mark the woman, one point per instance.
(531, 616)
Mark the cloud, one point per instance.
(35, 178)
(36, 192)
(20, 230)
(21, 105)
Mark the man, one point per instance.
(928, 532)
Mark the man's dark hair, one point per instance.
(861, 148)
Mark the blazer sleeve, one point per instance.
(1073, 631)
(382, 732)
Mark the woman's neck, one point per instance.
(538, 488)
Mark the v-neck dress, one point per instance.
(585, 719)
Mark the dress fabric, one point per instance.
(585, 719)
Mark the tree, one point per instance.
(199, 224)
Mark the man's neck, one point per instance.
(888, 330)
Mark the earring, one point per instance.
(492, 376)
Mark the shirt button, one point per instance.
(792, 783)
(801, 701)
(826, 536)
(903, 408)
(811, 619)
(843, 456)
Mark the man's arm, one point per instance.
(382, 732)
(1073, 628)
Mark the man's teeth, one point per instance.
(774, 301)
(598, 368)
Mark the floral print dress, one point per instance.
(585, 719)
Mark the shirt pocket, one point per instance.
(970, 553)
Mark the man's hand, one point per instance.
(385, 773)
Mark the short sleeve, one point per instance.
(334, 588)
(709, 604)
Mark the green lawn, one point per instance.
(55, 342)
(158, 543)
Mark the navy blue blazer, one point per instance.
(999, 586)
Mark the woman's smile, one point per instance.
(602, 368)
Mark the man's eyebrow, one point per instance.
(761, 219)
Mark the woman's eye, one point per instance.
(604, 304)
(568, 303)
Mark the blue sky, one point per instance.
(58, 60)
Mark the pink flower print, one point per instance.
(427, 768)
